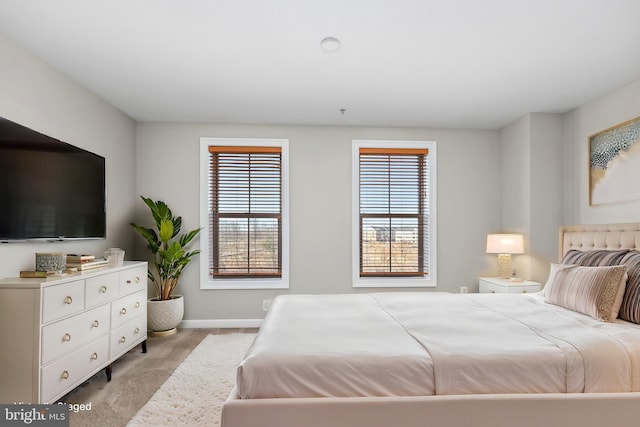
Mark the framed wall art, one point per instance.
(614, 164)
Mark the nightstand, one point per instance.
(495, 285)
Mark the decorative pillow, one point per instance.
(594, 291)
(595, 258)
(630, 308)
(553, 271)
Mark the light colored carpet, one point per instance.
(193, 395)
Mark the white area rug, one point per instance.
(193, 395)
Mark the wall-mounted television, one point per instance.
(49, 189)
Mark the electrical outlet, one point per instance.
(266, 304)
(464, 289)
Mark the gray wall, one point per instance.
(488, 181)
(320, 204)
(616, 107)
(37, 96)
(545, 176)
(531, 196)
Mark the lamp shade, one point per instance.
(505, 244)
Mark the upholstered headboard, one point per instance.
(599, 236)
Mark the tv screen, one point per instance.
(49, 189)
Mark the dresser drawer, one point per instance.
(491, 288)
(524, 289)
(67, 335)
(62, 300)
(101, 289)
(127, 308)
(127, 335)
(60, 376)
(133, 280)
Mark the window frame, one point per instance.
(256, 282)
(393, 281)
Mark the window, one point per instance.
(245, 213)
(393, 214)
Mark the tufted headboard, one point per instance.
(599, 236)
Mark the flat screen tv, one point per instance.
(49, 190)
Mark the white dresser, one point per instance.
(58, 332)
(495, 285)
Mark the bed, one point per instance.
(562, 357)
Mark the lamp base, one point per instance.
(504, 266)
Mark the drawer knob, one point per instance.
(65, 375)
(137, 279)
(66, 337)
(95, 324)
(94, 356)
(103, 289)
(493, 292)
(128, 282)
(136, 330)
(524, 291)
(122, 340)
(123, 311)
(137, 304)
(68, 300)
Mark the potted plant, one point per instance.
(170, 257)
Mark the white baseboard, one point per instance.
(221, 323)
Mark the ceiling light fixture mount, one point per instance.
(330, 44)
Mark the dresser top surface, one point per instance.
(38, 282)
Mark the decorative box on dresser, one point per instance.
(59, 331)
(495, 285)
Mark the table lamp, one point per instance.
(504, 245)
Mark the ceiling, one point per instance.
(426, 63)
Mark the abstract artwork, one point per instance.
(614, 164)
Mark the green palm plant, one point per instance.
(170, 256)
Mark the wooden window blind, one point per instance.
(245, 204)
(393, 204)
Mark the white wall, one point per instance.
(616, 107)
(37, 96)
(320, 183)
(531, 191)
(515, 177)
(546, 193)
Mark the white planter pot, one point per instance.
(164, 316)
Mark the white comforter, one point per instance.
(412, 344)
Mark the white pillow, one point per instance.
(595, 291)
